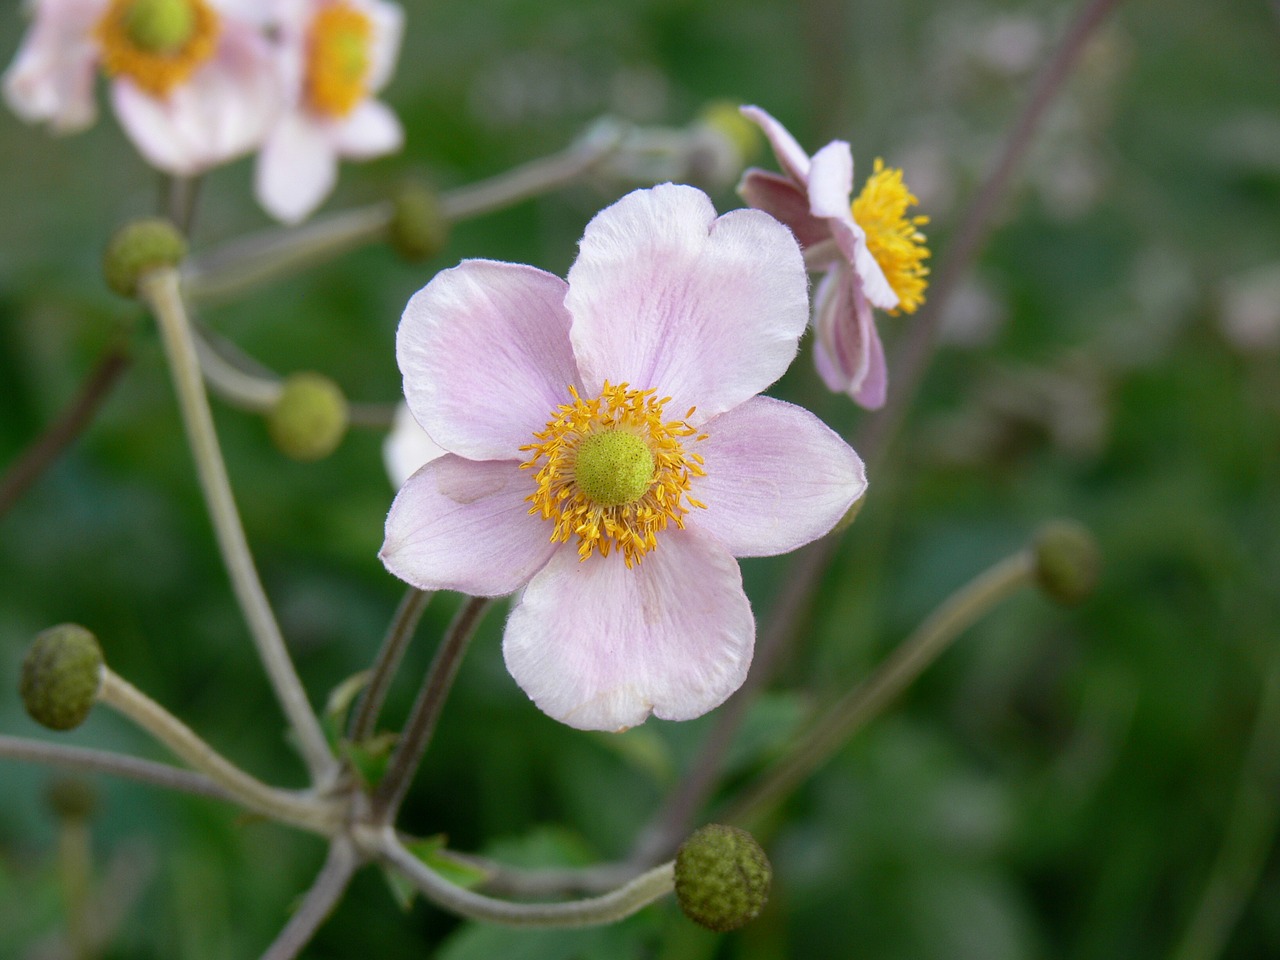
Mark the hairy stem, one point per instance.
(160, 290)
(298, 810)
(319, 902)
(413, 742)
(394, 645)
(608, 908)
(867, 700)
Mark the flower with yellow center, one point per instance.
(608, 457)
(338, 59)
(872, 251)
(157, 44)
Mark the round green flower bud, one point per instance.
(1067, 561)
(722, 877)
(310, 418)
(61, 676)
(419, 229)
(138, 247)
(72, 798)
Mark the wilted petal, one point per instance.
(599, 647)
(665, 295)
(484, 349)
(777, 478)
(464, 525)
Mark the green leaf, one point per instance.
(339, 703)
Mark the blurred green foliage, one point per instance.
(1058, 786)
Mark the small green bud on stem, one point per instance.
(138, 247)
(61, 675)
(419, 229)
(1067, 561)
(310, 418)
(722, 877)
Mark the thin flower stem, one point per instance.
(1249, 837)
(319, 902)
(273, 254)
(609, 908)
(394, 645)
(674, 818)
(238, 386)
(62, 432)
(75, 869)
(504, 880)
(82, 759)
(866, 701)
(300, 810)
(160, 290)
(426, 710)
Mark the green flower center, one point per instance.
(161, 26)
(614, 467)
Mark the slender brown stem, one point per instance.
(676, 815)
(82, 759)
(38, 457)
(319, 902)
(426, 710)
(397, 640)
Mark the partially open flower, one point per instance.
(192, 81)
(608, 454)
(873, 252)
(335, 55)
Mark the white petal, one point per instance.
(600, 647)
(296, 169)
(407, 447)
(371, 130)
(665, 295)
(791, 156)
(777, 478)
(51, 78)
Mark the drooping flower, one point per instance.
(609, 455)
(191, 81)
(335, 55)
(873, 252)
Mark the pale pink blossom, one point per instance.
(622, 405)
(335, 55)
(813, 196)
(206, 102)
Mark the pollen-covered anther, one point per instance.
(893, 238)
(157, 44)
(612, 472)
(338, 59)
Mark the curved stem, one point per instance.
(394, 645)
(426, 710)
(319, 902)
(609, 908)
(866, 701)
(160, 290)
(62, 432)
(82, 759)
(299, 810)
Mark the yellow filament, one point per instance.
(893, 238)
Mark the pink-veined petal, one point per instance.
(791, 156)
(296, 168)
(600, 647)
(777, 478)
(484, 349)
(666, 295)
(873, 390)
(408, 447)
(783, 200)
(464, 525)
(371, 130)
(846, 346)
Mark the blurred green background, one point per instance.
(1061, 785)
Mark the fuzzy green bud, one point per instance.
(61, 675)
(1067, 561)
(72, 798)
(419, 229)
(309, 419)
(722, 877)
(138, 247)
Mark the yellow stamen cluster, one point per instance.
(157, 44)
(338, 61)
(893, 238)
(580, 444)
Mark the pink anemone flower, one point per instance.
(334, 56)
(872, 252)
(192, 81)
(608, 455)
